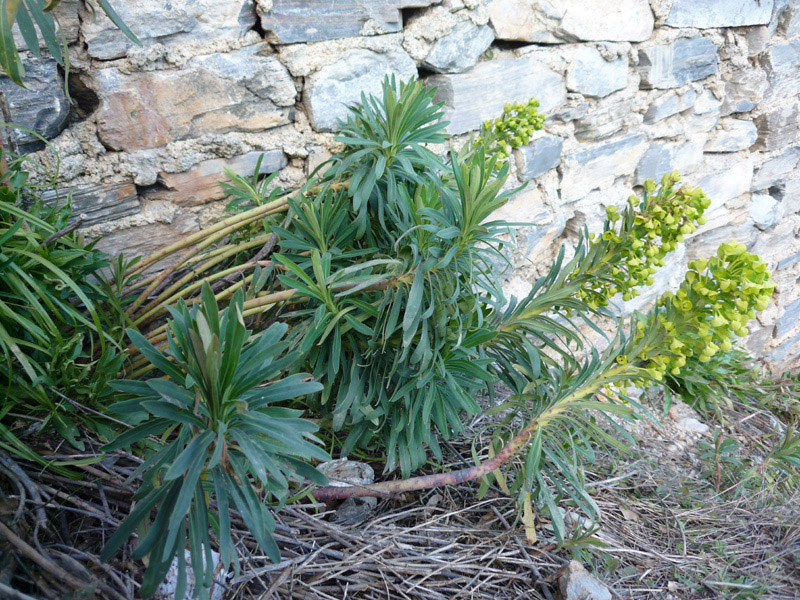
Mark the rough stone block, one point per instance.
(765, 211)
(41, 107)
(554, 21)
(146, 239)
(731, 136)
(788, 22)
(592, 75)
(729, 178)
(166, 21)
(777, 127)
(789, 320)
(67, 14)
(744, 89)
(710, 14)
(786, 352)
(460, 49)
(597, 166)
(538, 157)
(481, 93)
(776, 169)
(669, 104)
(661, 159)
(730, 226)
(202, 183)
(676, 64)
(98, 203)
(335, 87)
(291, 21)
(782, 65)
(605, 121)
(241, 90)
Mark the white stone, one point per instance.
(481, 93)
(730, 178)
(597, 166)
(553, 21)
(732, 135)
(692, 425)
(592, 75)
(166, 21)
(707, 14)
(765, 211)
(335, 87)
(660, 159)
(668, 104)
(460, 49)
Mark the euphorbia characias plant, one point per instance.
(383, 269)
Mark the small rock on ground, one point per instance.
(576, 583)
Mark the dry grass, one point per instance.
(666, 533)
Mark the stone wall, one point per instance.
(631, 88)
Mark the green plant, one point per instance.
(61, 320)
(218, 439)
(386, 270)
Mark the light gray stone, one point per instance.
(333, 88)
(592, 75)
(744, 89)
(786, 351)
(732, 135)
(707, 103)
(98, 203)
(166, 21)
(605, 121)
(597, 166)
(481, 93)
(460, 49)
(291, 21)
(676, 64)
(777, 126)
(789, 320)
(757, 39)
(538, 157)
(729, 178)
(576, 583)
(788, 262)
(765, 211)
(709, 14)
(554, 21)
(669, 104)
(692, 425)
(789, 192)
(788, 21)
(776, 169)
(242, 90)
(41, 106)
(782, 65)
(661, 159)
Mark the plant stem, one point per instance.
(514, 447)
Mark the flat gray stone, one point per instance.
(729, 178)
(789, 320)
(41, 107)
(777, 127)
(592, 75)
(333, 88)
(669, 104)
(556, 21)
(776, 169)
(676, 64)
(788, 262)
(709, 14)
(538, 157)
(576, 583)
(744, 89)
(732, 135)
(291, 21)
(460, 49)
(166, 21)
(481, 93)
(604, 122)
(99, 203)
(782, 65)
(664, 158)
(597, 166)
(241, 90)
(786, 351)
(765, 211)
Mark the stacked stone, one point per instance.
(632, 89)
